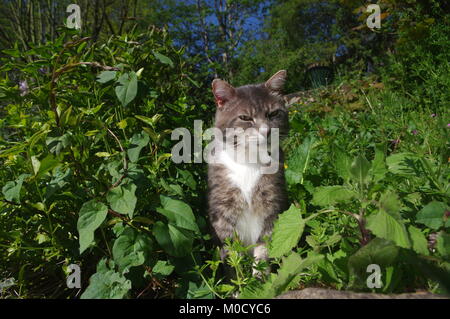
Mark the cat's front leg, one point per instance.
(224, 225)
(260, 253)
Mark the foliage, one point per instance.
(86, 155)
(88, 179)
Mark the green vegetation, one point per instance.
(87, 177)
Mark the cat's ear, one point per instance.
(276, 82)
(222, 91)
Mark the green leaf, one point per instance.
(18, 148)
(12, 52)
(199, 291)
(106, 284)
(58, 181)
(57, 144)
(131, 249)
(122, 124)
(287, 231)
(432, 215)
(277, 284)
(342, 164)
(36, 164)
(419, 241)
(331, 195)
(402, 164)
(291, 266)
(378, 168)
(178, 213)
(127, 90)
(443, 244)
(187, 178)
(138, 142)
(162, 268)
(91, 216)
(387, 222)
(102, 154)
(150, 121)
(175, 241)
(163, 59)
(390, 203)
(122, 199)
(46, 165)
(38, 135)
(11, 190)
(106, 76)
(298, 162)
(42, 238)
(359, 169)
(81, 47)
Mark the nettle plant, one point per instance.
(392, 230)
(379, 211)
(87, 178)
(395, 207)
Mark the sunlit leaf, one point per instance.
(286, 232)
(127, 90)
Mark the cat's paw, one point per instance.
(260, 274)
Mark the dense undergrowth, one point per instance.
(88, 179)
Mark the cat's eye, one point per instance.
(274, 114)
(245, 118)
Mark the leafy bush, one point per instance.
(88, 180)
(420, 66)
(86, 154)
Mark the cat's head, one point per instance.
(256, 108)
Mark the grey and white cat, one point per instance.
(242, 198)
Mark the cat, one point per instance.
(242, 197)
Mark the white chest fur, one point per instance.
(245, 177)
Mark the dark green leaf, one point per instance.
(443, 245)
(178, 213)
(163, 59)
(163, 268)
(137, 143)
(175, 241)
(106, 284)
(378, 251)
(387, 222)
(131, 249)
(106, 76)
(127, 90)
(122, 199)
(419, 241)
(11, 190)
(432, 215)
(91, 216)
